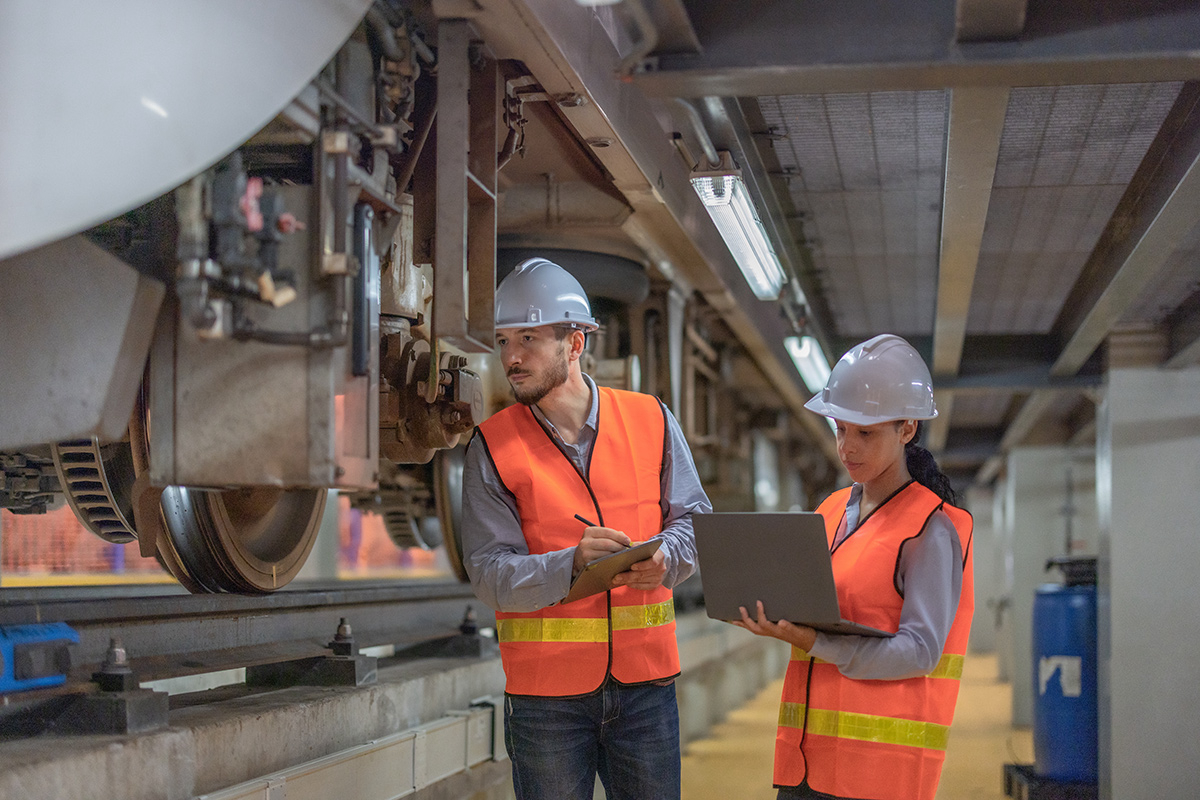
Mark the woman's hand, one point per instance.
(797, 635)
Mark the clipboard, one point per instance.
(595, 577)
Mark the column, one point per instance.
(988, 579)
(1148, 476)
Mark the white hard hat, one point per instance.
(539, 292)
(880, 380)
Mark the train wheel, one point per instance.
(97, 481)
(251, 540)
(447, 493)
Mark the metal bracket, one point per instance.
(465, 241)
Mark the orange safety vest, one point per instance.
(874, 739)
(570, 649)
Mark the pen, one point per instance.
(591, 524)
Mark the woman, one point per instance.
(867, 718)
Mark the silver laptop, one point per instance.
(781, 559)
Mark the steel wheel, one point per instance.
(447, 493)
(251, 540)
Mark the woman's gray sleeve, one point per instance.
(931, 571)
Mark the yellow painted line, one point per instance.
(10, 581)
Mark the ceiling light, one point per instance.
(724, 194)
(810, 361)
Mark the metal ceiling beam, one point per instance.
(779, 47)
(1015, 380)
(973, 131)
(1157, 210)
(985, 20)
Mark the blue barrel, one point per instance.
(1064, 683)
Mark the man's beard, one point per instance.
(555, 376)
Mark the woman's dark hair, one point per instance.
(924, 469)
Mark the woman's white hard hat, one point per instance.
(539, 292)
(879, 380)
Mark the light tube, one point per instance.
(810, 361)
(725, 196)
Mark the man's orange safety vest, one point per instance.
(570, 649)
(874, 739)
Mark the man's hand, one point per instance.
(798, 635)
(644, 575)
(596, 543)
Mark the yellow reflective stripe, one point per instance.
(628, 618)
(866, 727)
(625, 618)
(552, 630)
(950, 666)
(800, 655)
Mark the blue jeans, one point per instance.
(629, 735)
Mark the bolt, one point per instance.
(116, 660)
(343, 640)
(115, 675)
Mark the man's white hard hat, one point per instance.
(539, 292)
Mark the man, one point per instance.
(590, 684)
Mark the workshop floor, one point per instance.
(734, 761)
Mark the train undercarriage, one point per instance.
(309, 309)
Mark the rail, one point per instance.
(168, 633)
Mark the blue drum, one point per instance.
(1064, 671)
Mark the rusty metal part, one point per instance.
(412, 429)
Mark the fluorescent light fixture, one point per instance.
(728, 202)
(810, 361)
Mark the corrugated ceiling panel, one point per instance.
(1066, 156)
(869, 172)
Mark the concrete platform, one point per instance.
(352, 743)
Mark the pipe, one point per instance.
(706, 142)
(385, 34)
(645, 25)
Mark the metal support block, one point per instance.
(356, 670)
(134, 711)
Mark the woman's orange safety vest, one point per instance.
(874, 739)
(629, 634)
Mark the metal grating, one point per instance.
(1066, 156)
(873, 201)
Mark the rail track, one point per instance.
(169, 633)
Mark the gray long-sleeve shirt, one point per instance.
(506, 576)
(931, 573)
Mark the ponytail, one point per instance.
(925, 471)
